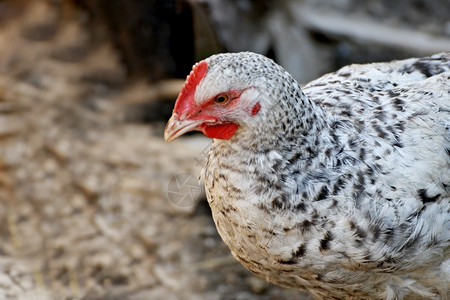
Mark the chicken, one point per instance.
(341, 189)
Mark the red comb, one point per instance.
(186, 97)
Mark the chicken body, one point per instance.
(341, 189)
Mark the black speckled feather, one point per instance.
(341, 189)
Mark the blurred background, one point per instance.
(93, 203)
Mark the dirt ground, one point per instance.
(87, 206)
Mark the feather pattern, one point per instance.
(341, 189)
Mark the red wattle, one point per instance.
(222, 131)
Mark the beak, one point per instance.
(176, 128)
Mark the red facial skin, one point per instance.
(255, 109)
(227, 130)
(211, 111)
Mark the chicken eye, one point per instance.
(221, 99)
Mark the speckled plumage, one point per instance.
(341, 189)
